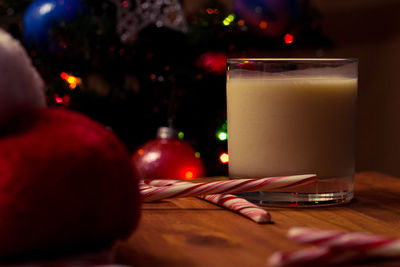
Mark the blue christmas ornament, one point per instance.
(42, 15)
(269, 17)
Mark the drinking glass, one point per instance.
(293, 116)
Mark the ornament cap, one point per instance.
(167, 133)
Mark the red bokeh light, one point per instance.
(66, 99)
(64, 75)
(224, 158)
(58, 99)
(288, 38)
(263, 25)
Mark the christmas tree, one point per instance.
(137, 65)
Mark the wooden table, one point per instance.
(193, 232)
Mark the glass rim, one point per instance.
(291, 60)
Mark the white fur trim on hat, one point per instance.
(21, 87)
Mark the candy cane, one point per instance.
(231, 186)
(240, 205)
(231, 202)
(321, 256)
(335, 247)
(344, 241)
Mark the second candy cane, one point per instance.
(231, 202)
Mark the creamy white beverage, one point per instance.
(291, 125)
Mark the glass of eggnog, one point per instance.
(293, 116)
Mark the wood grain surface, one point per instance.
(193, 232)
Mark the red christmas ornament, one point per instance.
(167, 157)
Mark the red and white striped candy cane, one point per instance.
(335, 247)
(231, 202)
(143, 185)
(224, 187)
(372, 244)
(321, 256)
(240, 205)
(164, 182)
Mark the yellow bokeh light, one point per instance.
(72, 81)
(229, 19)
(224, 158)
(189, 175)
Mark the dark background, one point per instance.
(156, 79)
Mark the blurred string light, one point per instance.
(229, 19)
(212, 11)
(222, 134)
(224, 158)
(58, 99)
(225, 125)
(288, 38)
(242, 24)
(64, 100)
(181, 135)
(72, 81)
(263, 25)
